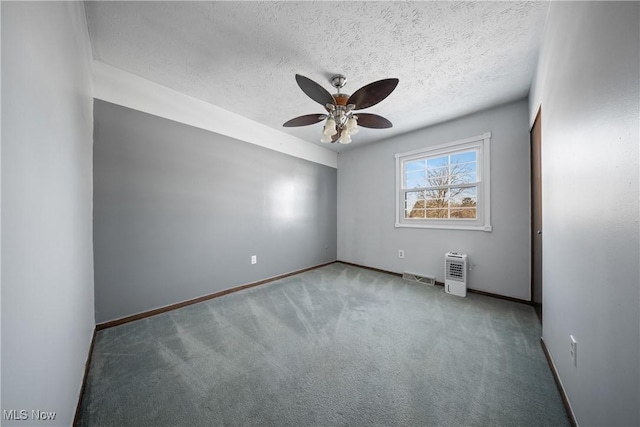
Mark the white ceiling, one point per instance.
(452, 58)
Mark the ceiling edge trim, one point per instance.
(123, 88)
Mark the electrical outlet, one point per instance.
(400, 253)
(573, 350)
(254, 259)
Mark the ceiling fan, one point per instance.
(341, 122)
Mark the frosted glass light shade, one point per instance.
(330, 127)
(345, 137)
(352, 125)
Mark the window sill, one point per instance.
(486, 228)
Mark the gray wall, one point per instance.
(587, 84)
(366, 206)
(47, 274)
(179, 211)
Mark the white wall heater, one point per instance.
(455, 274)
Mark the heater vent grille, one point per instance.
(428, 280)
(455, 270)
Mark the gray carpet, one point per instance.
(335, 346)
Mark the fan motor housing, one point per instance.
(341, 99)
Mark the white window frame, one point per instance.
(481, 143)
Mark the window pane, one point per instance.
(464, 168)
(466, 173)
(438, 171)
(459, 168)
(438, 176)
(412, 197)
(437, 198)
(414, 204)
(468, 156)
(463, 197)
(415, 179)
(415, 213)
(436, 162)
(437, 213)
(463, 203)
(464, 213)
(414, 174)
(415, 165)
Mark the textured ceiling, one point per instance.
(452, 58)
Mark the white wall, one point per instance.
(366, 206)
(179, 211)
(47, 255)
(587, 84)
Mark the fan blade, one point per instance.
(314, 91)
(308, 119)
(373, 121)
(369, 95)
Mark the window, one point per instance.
(446, 186)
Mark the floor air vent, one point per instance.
(427, 280)
(455, 272)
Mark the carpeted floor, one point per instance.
(335, 346)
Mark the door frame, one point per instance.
(536, 204)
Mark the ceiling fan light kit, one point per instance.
(341, 122)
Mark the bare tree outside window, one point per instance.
(442, 187)
(445, 186)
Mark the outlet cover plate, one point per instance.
(573, 350)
